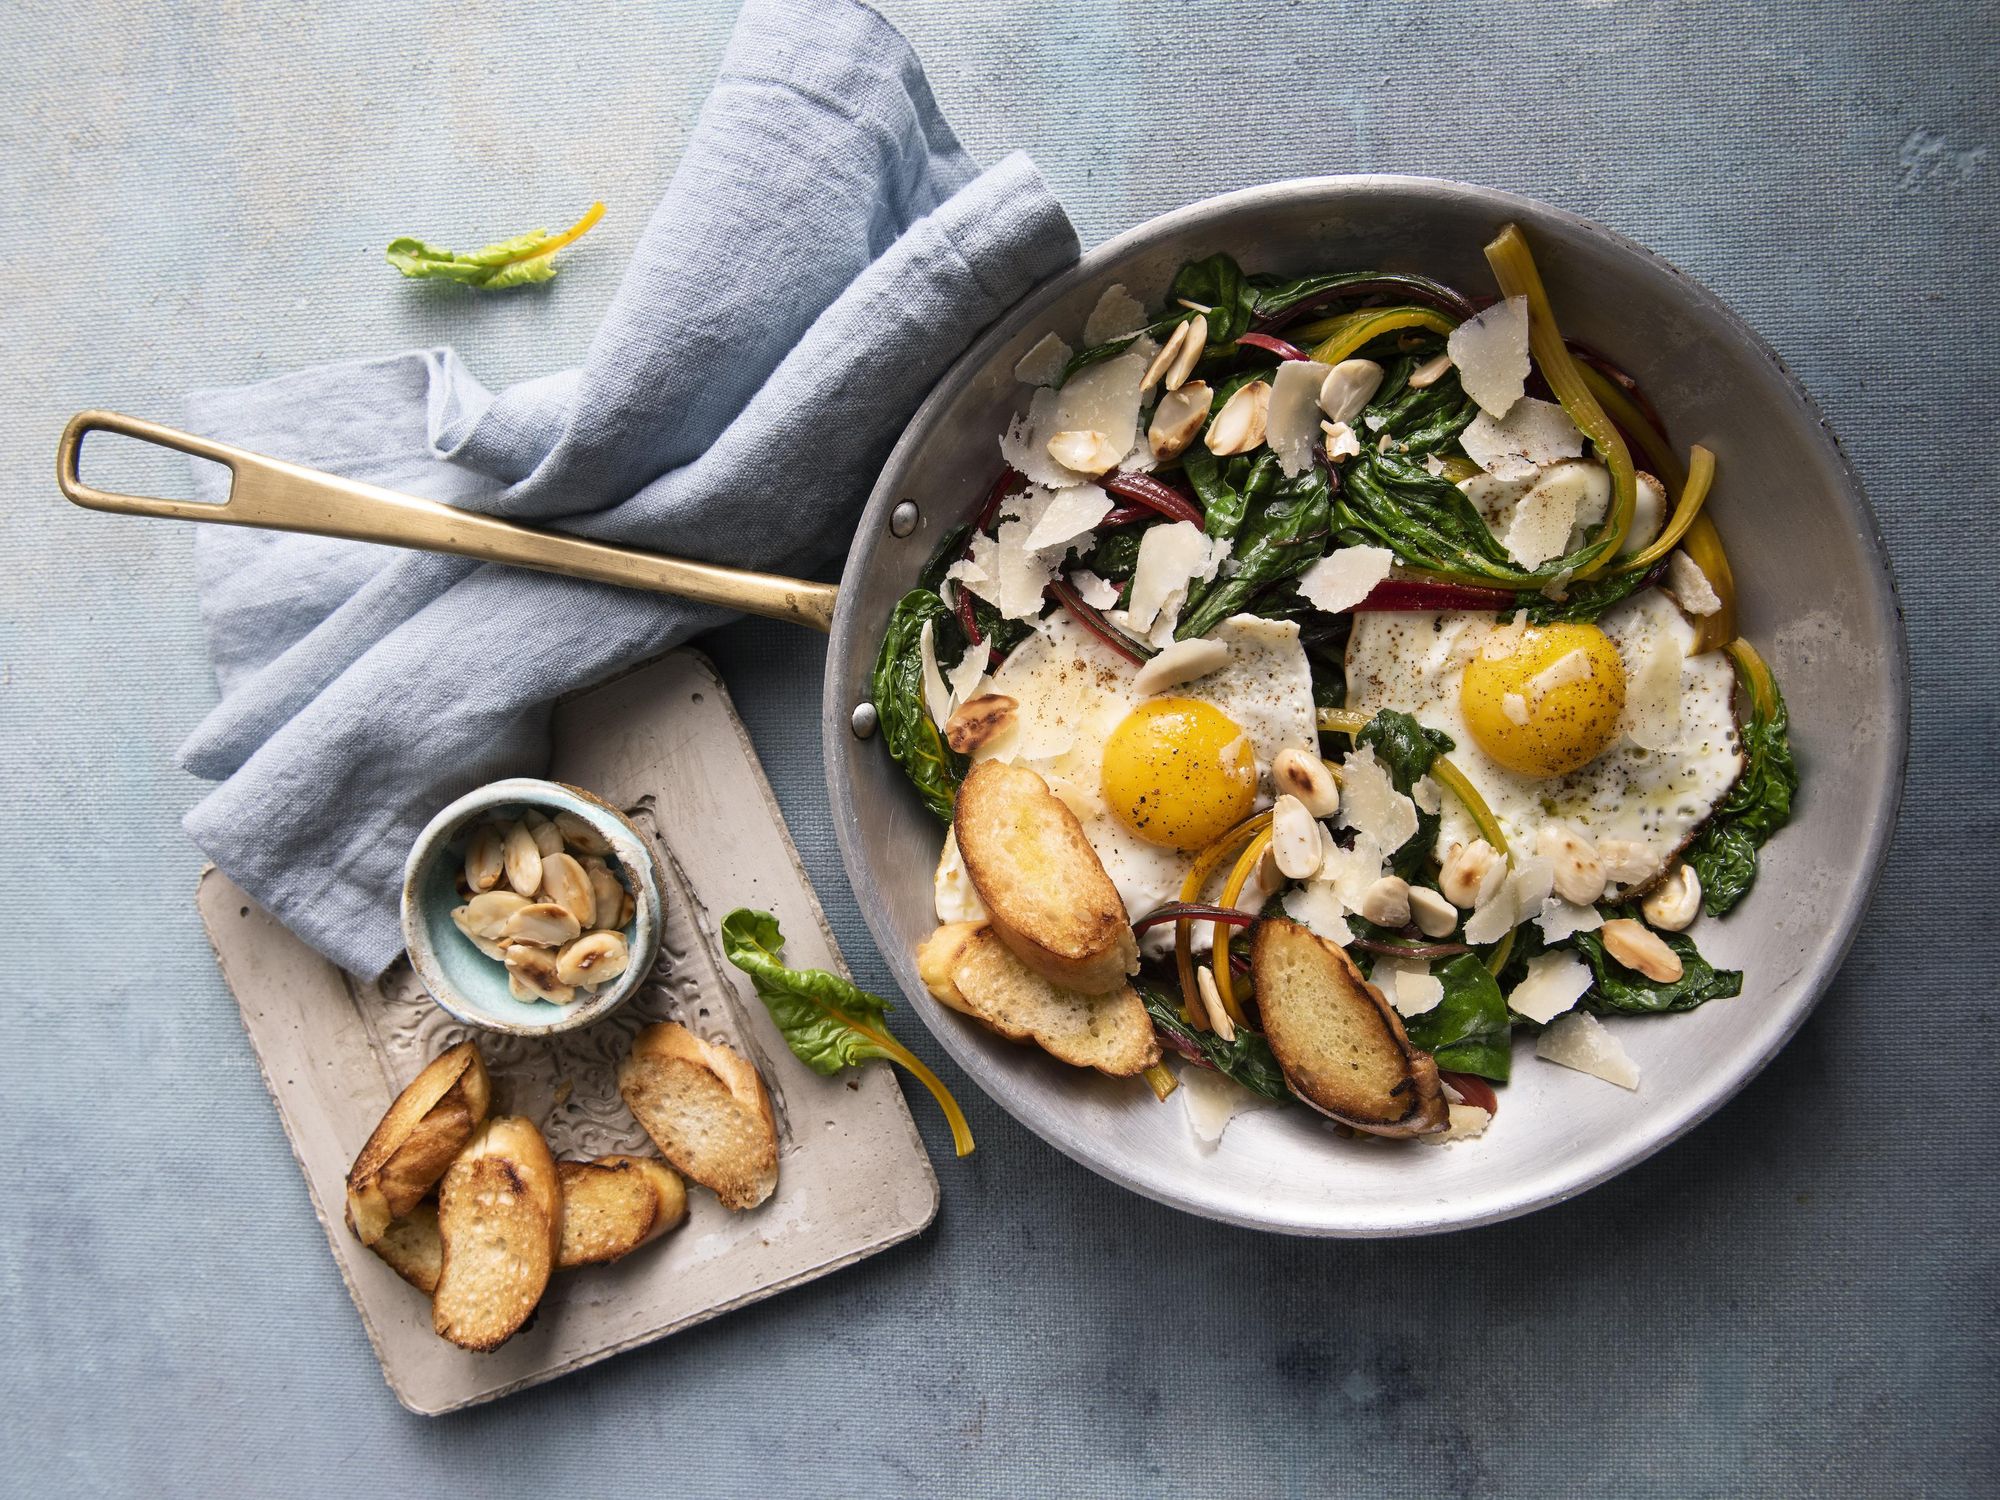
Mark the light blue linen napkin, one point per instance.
(823, 252)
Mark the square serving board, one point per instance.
(663, 743)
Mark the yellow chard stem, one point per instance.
(569, 236)
(1514, 270)
(1338, 337)
(1160, 1079)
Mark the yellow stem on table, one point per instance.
(1514, 268)
(961, 1132)
(569, 236)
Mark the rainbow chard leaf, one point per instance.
(517, 262)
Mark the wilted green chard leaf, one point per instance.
(523, 259)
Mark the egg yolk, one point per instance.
(1179, 773)
(1546, 702)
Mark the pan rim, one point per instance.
(1689, 1109)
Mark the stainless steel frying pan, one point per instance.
(1816, 597)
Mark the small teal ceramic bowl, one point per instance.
(469, 984)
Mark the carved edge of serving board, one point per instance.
(663, 742)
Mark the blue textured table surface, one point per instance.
(1798, 1299)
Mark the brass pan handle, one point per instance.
(281, 496)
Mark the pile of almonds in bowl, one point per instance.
(543, 898)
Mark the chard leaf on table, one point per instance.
(513, 262)
(829, 1022)
(1469, 1030)
(897, 685)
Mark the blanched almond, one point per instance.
(1579, 872)
(978, 720)
(1308, 778)
(1211, 1001)
(606, 889)
(565, 883)
(1471, 873)
(544, 924)
(1164, 361)
(1178, 418)
(1239, 426)
(1190, 354)
(1430, 372)
(485, 858)
(531, 975)
(1087, 452)
(486, 914)
(1435, 917)
(1640, 950)
(1349, 386)
(1386, 903)
(1675, 902)
(485, 945)
(524, 860)
(592, 959)
(547, 837)
(581, 835)
(1295, 842)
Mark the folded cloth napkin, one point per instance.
(824, 250)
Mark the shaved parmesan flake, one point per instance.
(965, 678)
(1533, 878)
(1571, 666)
(1690, 586)
(1168, 557)
(1491, 352)
(1102, 398)
(1292, 422)
(1317, 907)
(1494, 917)
(1070, 513)
(1043, 364)
(952, 890)
(1410, 987)
(1371, 805)
(1545, 516)
(1649, 512)
(1349, 871)
(1213, 1100)
(1561, 919)
(1494, 496)
(1466, 1122)
(937, 697)
(1579, 1040)
(1515, 707)
(1343, 578)
(1098, 593)
(1554, 983)
(1424, 792)
(1021, 575)
(1117, 313)
(1534, 434)
(977, 570)
(1181, 662)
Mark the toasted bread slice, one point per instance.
(1043, 885)
(417, 1139)
(412, 1247)
(614, 1205)
(500, 1222)
(706, 1109)
(968, 968)
(1337, 1041)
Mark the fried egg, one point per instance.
(1612, 728)
(1153, 778)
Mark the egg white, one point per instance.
(1072, 691)
(1654, 797)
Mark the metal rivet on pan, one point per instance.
(864, 720)
(903, 519)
